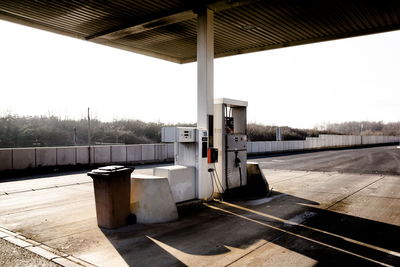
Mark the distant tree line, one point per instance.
(27, 131)
(364, 128)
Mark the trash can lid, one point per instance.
(110, 170)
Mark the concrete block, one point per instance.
(102, 154)
(274, 146)
(82, 155)
(24, 158)
(255, 148)
(285, 145)
(5, 159)
(261, 147)
(313, 143)
(46, 156)
(279, 146)
(134, 153)
(151, 199)
(268, 146)
(118, 154)
(358, 139)
(170, 151)
(321, 143)
(347, 140)
(160, 152)
(331, 139)
(307, 144)
(300, 145)
(148, 152)
(181, 180)
(249, 147)
(66, 156)
(290, 145)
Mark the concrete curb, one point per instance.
(42, 250)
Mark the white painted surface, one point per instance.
(102, 154)
(160, 152)
(82, 155)
(151, 199)
(118, 154)
(262, 147)
(46, 157)
(5, 159)
(24, 158)
(66, 156)
(170, 151)
(148, 152)
(181, 180)
(134, 153)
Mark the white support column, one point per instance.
(205, 67)
(205, 94)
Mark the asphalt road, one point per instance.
(373, 160)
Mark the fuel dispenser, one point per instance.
(219, 157)
(190, 151)
(230, 139)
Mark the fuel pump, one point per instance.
(230, 138)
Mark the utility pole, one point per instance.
(88, 116)
(75, 137)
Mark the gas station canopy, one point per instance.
(167, 29)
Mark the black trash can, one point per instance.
(112, 192)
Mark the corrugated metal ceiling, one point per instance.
(167, 29)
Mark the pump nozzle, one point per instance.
(237, 160)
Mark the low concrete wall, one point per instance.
(134, 153)
(148, 152)
(118, 154)
(24, 158)
(66, 156)
(82, 155)
(46, 157)
(6, 159)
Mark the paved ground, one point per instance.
(375, 160)
(315, 217)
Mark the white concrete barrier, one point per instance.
(118, 154)
(280, 146)
(82, 155)
(268, 146)
(262, 147)
(134, 153)
(148, 152)
(66, 156)
(170, 151)
(160, 152)
(24, 158)
(102, 154)
(249, 147)
(274, 146)
(5, 159)
(46, 156)
(255, 148)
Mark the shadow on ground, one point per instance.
(330, 238)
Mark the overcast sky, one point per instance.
(43, 73)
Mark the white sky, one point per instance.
(353, 79)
